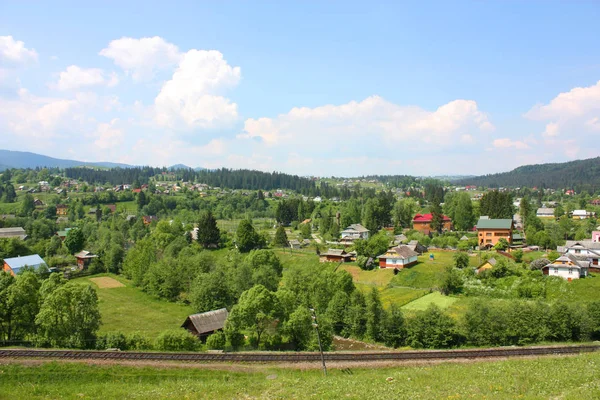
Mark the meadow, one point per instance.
(539, 378)
(127, 309)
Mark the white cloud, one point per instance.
(191, 99)
(142, 57)
(508, 143)
(108, 136)
(75, 77)
(552, 130)
(574, 103)
(14, 51)
(371, 121)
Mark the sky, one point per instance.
(333, 88)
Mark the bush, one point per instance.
(112, 340)
(518, 255)
(176, 340)
(138, 341)
(216, 341)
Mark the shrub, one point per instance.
(176, 340)
(518, 255)
(112, 340)
(216, 341)
(138, 341)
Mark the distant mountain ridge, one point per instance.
(582, 174)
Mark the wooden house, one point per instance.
(148, 219)
(335, 255)
(61, 209)
(487, 265)
(84, 258)
(207, 323)
(16, 232)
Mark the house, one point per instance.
(583, 250)
(422, 223)
(567, 267)
(595, 202)
(398, 257)
(84, 258)
(489, 264)
(17, 264)
(335, 255)
(207, 323)
(490, 231)
(63, 234)
(148, 219)
(596, 236)
(38, 203)
(17, 232)
(399, 239)
(582, 214)
(354, 232)
(297, 244)
(417, 247)
(61, 209)
(545, 212)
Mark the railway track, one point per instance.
(291, 357)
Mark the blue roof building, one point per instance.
(17, 264)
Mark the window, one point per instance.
(488, 234)
(570, 271)
(577, 251)
(556, 270)
(488, 241)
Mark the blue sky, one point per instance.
(312, 88)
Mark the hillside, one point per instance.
(25, 159)
(579, 174)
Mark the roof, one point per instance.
(492, 261)
(569, 258)
(580, 212)
(494, 223)
(427, 218)
(587, 244)
(402, 252)
(13, 232)
(208, 321)
(356, 228)
(16, 264)
(517, 236)
(85, 254)
(545, 211)
(464, 238)
(336, 252)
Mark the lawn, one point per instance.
(434, 297)
(539, 378)
(128, 309)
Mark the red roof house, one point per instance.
(422, 223)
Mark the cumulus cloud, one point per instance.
(192, 97)
(14, 51)
(371, 120)
(75, 77)
(508, 143)
(108, 136)
(142, 57)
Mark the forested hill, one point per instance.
(578, 175)
(225, 178)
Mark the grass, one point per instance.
(128, 309)
(540, 378)
(423, 302)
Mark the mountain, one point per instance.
(578, 175)
(25, 159)
(178, 166)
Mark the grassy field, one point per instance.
(434, 297)
(540, 378)
(128, 309)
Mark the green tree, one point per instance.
(375, 315)
(211, 291)
(463, 218)
(9, 193)
(453, 282)
(69, 317)
(394, 327)
(432, 329)
(299, 328)
(461, 260)
(437, 218)
(27, 205)
(281, 239)
(256, 310)
(75, 241)
(247, 238)
(209, 234)
(305, 230)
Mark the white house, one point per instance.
(354, 232)
(545, 212)
(585, 250)
(567, 267)
(582, 214)
(398, 257)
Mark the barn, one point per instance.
(207, 323)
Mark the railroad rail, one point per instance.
(294, 357)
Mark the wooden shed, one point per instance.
(207, 323)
